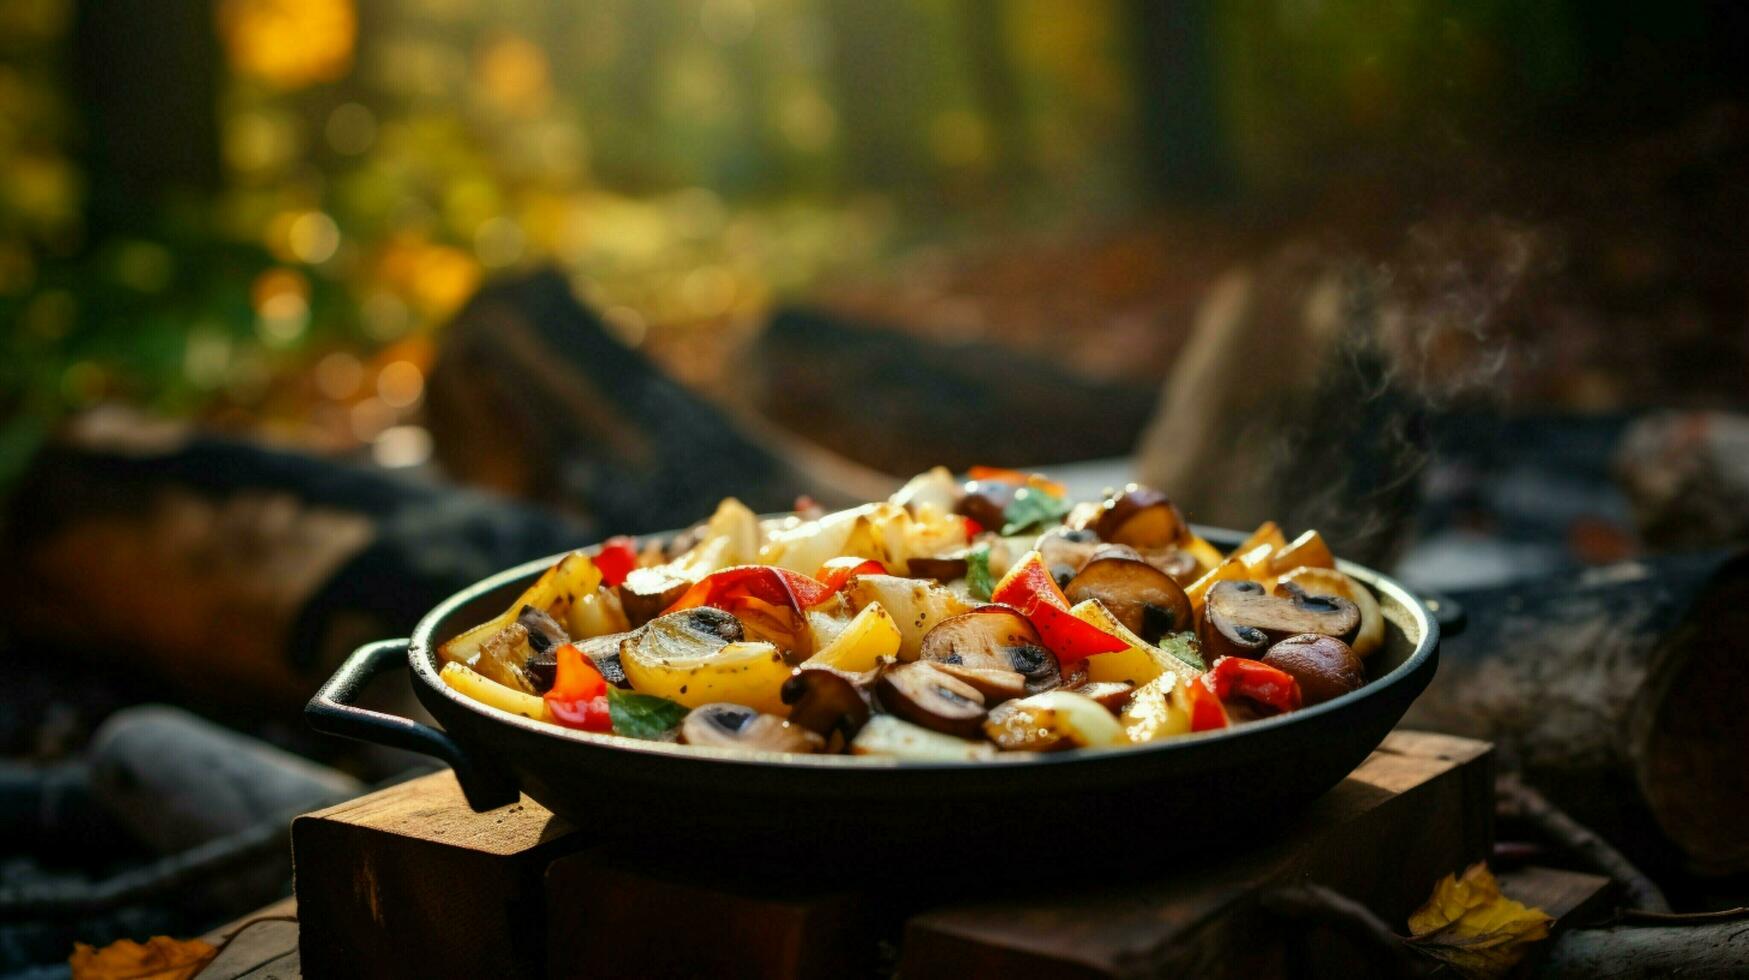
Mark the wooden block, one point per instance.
(661, 926)
(410, 882)
(1417, 809)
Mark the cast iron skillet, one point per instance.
(675, 793)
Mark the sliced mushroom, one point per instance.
(986, 501)
(825, 699)
(1329, 581)
(1174, 561)
(1113, 695)
(1325, 666)
(1066, 547)
(994, 638)
(648, 591)
(923, 695)
(732, 726)
(1242, 620)
(545, 637)
(603, 651)
(995, 684)
(1141, 517)
(1138, 595)
(943, 569)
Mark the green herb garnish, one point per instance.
(642, 715)
(1032, 507)
(978, 580)
(1183, 646)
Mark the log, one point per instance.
(1619, 694)
(1284, 406)
(906, 403)
(1702, 951)
(1687, 476)
(531, 396)
(239, 571)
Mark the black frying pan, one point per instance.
(883, 809)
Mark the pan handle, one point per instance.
(1447, 612)
(333, 712)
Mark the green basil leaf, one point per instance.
(1032, 507)
(642, 715)
(1183, 646)
(978, 579)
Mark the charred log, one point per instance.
(1618, 693)
(236, 569)
(531, 396)
(907, 404)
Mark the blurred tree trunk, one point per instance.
(145, 73)
(874, 77)
(984, 25)
(1183, 151)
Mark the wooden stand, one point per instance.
(409, 882)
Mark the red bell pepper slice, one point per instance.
(1253, 679)
(578, 698)
(615, 559)
(770, 601)
(1206, 711)
(1029, 588)
(835, 573)
(767, 583)
(973, 528)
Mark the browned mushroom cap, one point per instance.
(545, 637)
(1141, 517)
(648, 591)
(1113, 695)
(986, 501)
(603, 651)
(1066, 548)
(1325, 667)
(922, 695)
(1138, 595)
(994, 638)
(943, 569)
(1174, 561)
(1241, 620)
(735, 726)
(825, 699)
(995, 684)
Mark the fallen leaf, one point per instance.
(158, 958)
(1469, 924)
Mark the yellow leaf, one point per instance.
(159, 958)
(1469, 924)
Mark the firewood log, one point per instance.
(237, 570)
(1687, 477)
(1284, 406)
(532, 397)
(907, 403)
(1707, 951)
(1622, 694)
